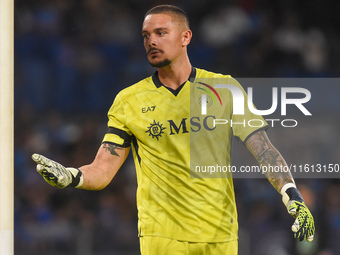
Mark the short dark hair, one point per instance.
(171, 10)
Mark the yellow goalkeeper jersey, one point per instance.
(174, 142)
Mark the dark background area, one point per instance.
(73, 57)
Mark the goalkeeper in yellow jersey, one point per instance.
(179, 213)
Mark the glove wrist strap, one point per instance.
(285, 197)
(77, 177)
(81, 180)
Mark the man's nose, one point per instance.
(152, 41)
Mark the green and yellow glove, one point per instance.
(303, 226)
(56, 174)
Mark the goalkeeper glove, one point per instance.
(303, 226)
(56, 174)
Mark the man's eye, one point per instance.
(145, 36)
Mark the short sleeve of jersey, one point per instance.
(244, 125)
(117, 132)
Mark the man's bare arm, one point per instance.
(106, 164)
(267, 155)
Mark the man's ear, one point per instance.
(186, 37)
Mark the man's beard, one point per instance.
(163, 63)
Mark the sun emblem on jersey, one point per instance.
(155, 130)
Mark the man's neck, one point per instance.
(173, 76)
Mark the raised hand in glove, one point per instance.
(56, 174)
(303, 226)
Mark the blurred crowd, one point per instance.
(73, 57)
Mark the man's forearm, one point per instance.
(268, 156)
(100, 172)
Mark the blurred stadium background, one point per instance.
(71, 59)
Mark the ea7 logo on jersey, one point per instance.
(155, 130)
(148, 109)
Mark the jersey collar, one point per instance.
(158, 83)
